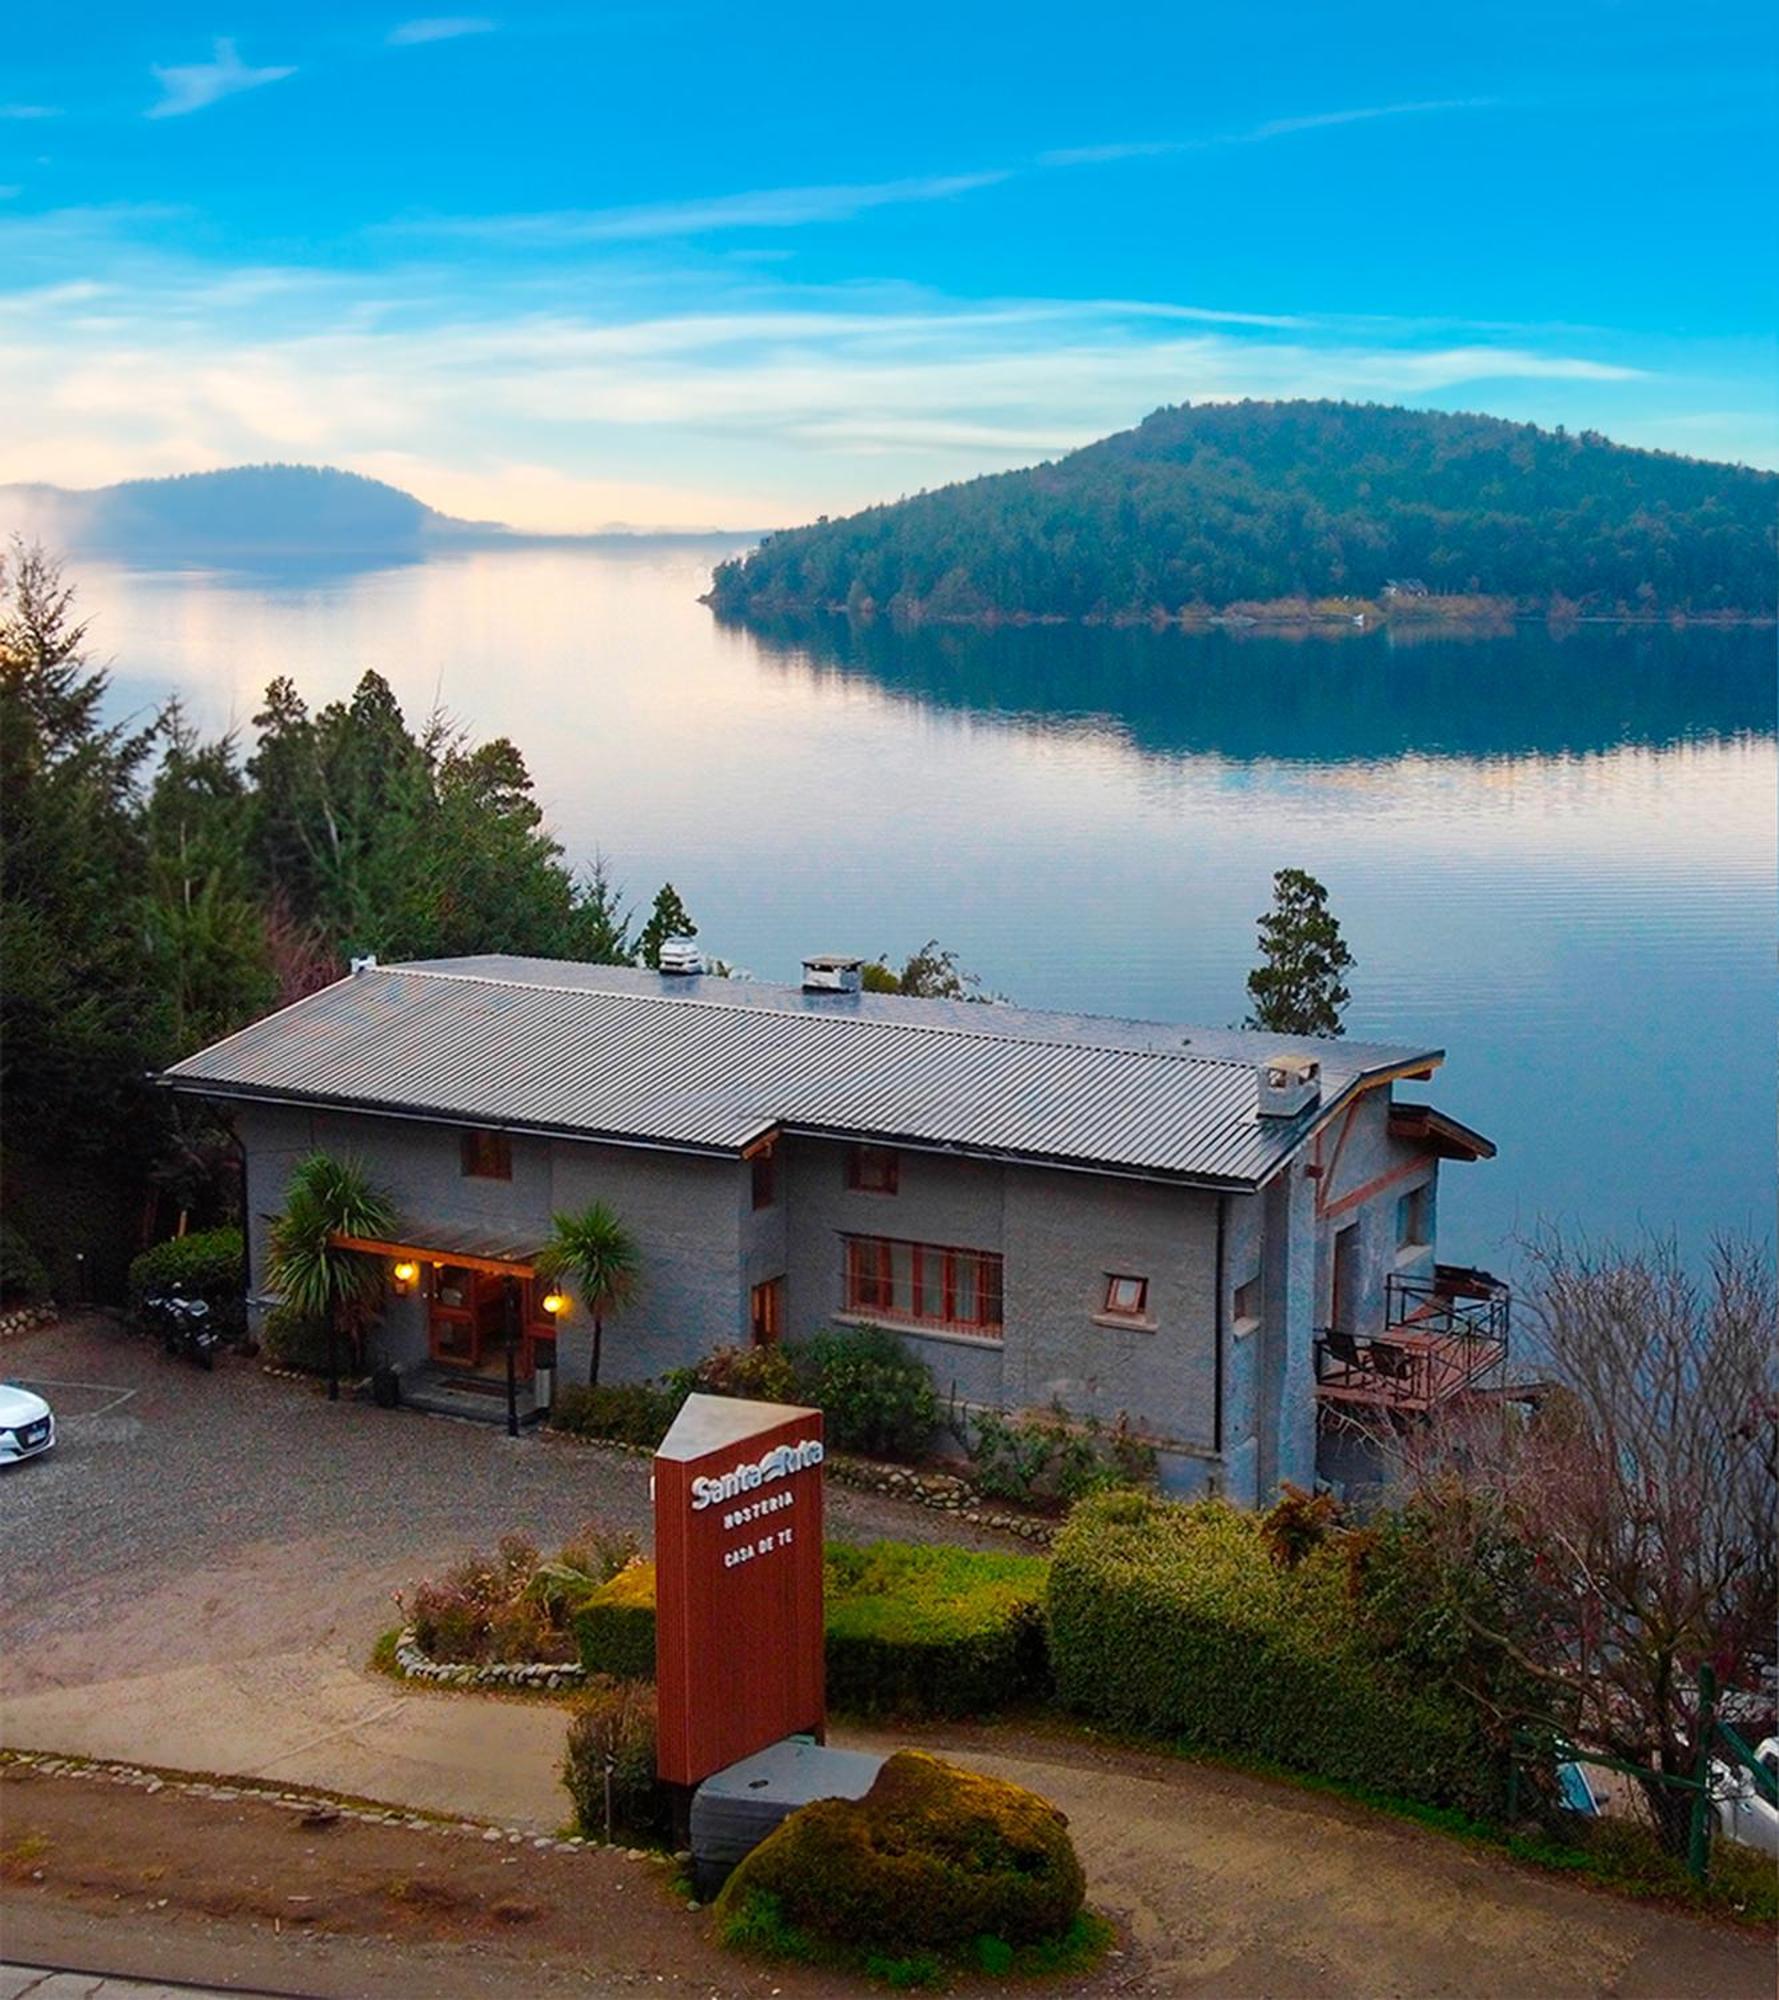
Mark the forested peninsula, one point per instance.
(1295, 510)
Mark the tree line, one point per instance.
(162, 888)
(1220, 505)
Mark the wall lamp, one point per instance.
(557, 1303)
(404, 1275)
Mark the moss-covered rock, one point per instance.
(932, 1857)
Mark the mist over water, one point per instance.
(1553, 856)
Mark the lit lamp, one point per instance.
(404, 1275)
(557, 1303)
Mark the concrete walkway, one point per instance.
(36, 1982)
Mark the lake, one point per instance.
(1553, 855)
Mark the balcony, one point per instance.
(1443, 1336)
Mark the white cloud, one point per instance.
(192, 86)
(438, 28)
(762, 208)
(1273, 128)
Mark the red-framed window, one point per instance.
(1126, 1297)
(488, 1156)
(872, 1169)
(925, 1284)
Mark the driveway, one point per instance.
(186, 1519)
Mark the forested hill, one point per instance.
(1253, 503)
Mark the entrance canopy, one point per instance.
(475, 1249)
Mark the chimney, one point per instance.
(828, 973)
(1288, 1085)
(366, 964)
(680, 958)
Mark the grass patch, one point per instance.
(755, 1923)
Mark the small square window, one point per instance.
(1127, 1297)
(488, 1156)
(872, 1169)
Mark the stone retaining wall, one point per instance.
(539, 1675)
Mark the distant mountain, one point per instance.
(251, 512)
(1233, 504)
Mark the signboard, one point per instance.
(738, 1583)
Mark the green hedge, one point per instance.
(924, 1631)
(1176, 1621)
(614, 1627)
(624, 1412)
(209, 1264)
(911, 1630)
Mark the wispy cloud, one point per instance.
(761, 208)
(188, 87)
(30, 111)
(437, 28)
(1273, 128)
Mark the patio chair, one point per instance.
(1394, 1363)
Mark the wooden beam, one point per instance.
(421, 1253)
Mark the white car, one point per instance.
(27, 1424)
(1742, 1813)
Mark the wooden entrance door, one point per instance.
(1343, 1305)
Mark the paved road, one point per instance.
(185, 1519)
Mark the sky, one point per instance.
(565, 265)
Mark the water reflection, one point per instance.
(1319, 697)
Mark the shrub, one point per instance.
(23, 1280)
(295, 1341)
(209, 1264)
(875, 1397)
(614, 1627)
(925, 1631)
(512, 1605)
(614, 1718)
(911, 1630)
(1176, 1621)
(762, 1374)
(622, 1412)
(1053, 1460)
(931, 1858)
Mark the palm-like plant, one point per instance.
(328, 1198)
(595, 1250)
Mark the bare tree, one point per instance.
(1641, 1484)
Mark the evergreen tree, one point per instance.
(1296, 989)
(668, 919)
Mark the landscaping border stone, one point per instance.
(538, 1675)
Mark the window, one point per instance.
(925, 1284)
(765, 1179)
(767, 1312)
(1414, 1216)
(1248, 1305)
(488, 1156)
(1126, 1298)
(871, 1169)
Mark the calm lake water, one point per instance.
(1553, 857)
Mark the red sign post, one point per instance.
(738, 1583)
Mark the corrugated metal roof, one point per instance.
(604, 1052)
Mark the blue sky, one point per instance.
(568, 264)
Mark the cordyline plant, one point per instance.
(1635, 1499)
(594, 1250)
(329, 1198)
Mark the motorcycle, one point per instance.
(185, 1326)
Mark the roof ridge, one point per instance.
(1184, 1055)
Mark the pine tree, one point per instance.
(668, 919)
(1296, 988)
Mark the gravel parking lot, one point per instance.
(185, 1517)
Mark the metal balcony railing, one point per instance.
(1442, 1335)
